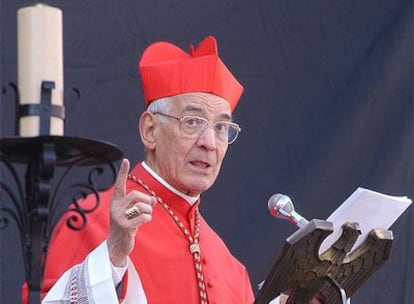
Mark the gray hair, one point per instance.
(162, 105)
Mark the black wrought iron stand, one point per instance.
(36, 202)
(35, 209)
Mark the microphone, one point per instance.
(281, 206)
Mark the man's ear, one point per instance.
(147, 126)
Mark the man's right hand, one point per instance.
(122, 231)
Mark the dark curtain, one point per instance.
(328, 107)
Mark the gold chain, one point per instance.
(193, 240)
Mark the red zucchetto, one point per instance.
(167, 70)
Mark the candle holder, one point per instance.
(37, 206)
(45, 109)
(50, 186)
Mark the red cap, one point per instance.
(167, 70)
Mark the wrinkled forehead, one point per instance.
(201, 102)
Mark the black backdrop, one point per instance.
(328, 107)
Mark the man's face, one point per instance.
(189, 165)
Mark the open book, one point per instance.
(370, 209)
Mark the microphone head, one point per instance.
(280, 206)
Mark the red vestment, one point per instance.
(161, 254)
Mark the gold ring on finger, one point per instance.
(132, 212)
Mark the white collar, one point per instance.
(190, 199)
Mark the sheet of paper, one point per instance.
(372, 210)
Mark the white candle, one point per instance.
(40, 58)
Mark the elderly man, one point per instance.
(147, 241)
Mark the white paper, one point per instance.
(370, 209)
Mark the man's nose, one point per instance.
(208, 138)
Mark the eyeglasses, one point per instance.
(193, 126)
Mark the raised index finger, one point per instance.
(120, 183)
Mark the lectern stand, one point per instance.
(335, 275)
